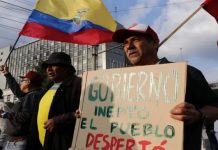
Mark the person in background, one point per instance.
(58, 107)
(3, 122)
(216, 129)
(28, 92)
(141, 45)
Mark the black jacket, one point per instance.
(21, 113)
(199, 94)
(65, 101)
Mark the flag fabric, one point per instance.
(73, 21)
(43, 112)
(211, 6)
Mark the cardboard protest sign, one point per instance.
(129, 108)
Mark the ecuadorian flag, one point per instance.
(73, 21)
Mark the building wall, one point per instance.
(27, 57)
(8, 96)
(115, 57)
(4, 52)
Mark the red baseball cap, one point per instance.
(33, 76)
(134, 30)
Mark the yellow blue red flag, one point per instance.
(73, 21)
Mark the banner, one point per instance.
(129, 108)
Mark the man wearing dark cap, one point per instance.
(141, 45)
(29, 92)
(56, 117)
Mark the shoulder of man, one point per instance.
(164, 61)
(73, 80)
(191, 71)
(36, 91)
(34, 95)
(194, 73)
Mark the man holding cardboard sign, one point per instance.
(141, 46)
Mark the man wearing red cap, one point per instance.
(28, 92)
(141, 45)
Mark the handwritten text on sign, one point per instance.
(130, 108)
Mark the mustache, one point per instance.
(131, 48)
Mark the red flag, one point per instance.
(211, 6)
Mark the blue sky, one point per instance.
(195, 42)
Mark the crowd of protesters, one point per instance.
(45, 117)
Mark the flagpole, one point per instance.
(94, 56)
(11, 50)
(186, 20)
